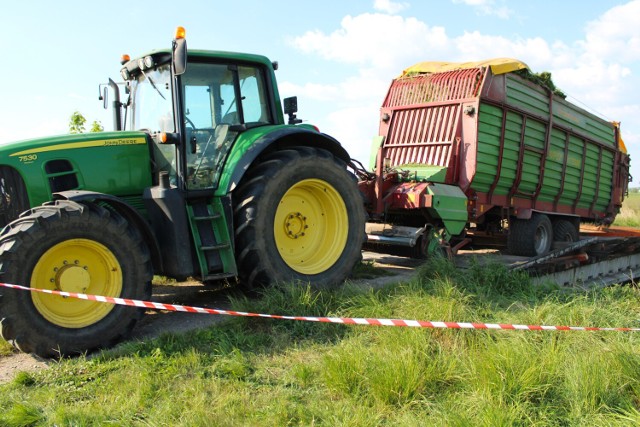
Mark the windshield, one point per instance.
(152, 111)
(151, 106)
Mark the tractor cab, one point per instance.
(194, 117)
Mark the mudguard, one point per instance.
(280, 138)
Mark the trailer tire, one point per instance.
(81, 248)
(299, 217)
(530, 237)
(565, 231)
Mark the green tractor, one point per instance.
(208, 182)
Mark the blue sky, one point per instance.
(338, 57)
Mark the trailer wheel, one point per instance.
(299, 217)
(565, 231)
(530, 237)
(83, 248)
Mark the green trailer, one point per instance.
(489, 147)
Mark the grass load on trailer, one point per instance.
(491, 148)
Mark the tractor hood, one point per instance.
(51, 144)
(116, 163)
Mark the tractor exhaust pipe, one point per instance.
(117, 115)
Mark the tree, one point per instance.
(96, 126)
(77, 124)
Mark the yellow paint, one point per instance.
(81, 266)
(498, 66)
(77, 145)
(311, 226)
(621, 143)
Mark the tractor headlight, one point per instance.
(148, 62)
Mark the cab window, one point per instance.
(220, 101)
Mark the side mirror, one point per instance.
(291, 108)
(179, 56)
(291, 105)
(103, 95)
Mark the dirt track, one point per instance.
(155, 323)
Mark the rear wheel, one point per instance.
(71, 247)
(530, 237)
(299, 217)
(565, 231)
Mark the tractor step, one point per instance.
(216, 247)
(207, 217)
(212, 239)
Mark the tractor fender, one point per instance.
(126, 210)
(291, 136)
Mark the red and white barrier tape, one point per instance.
(342, 320)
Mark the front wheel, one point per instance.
(81, 248)
(299, 217)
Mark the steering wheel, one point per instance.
(188, 120)
(218, 135)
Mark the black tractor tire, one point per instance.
(530, 237)
(84, 248)
(293, 207)
(565, 231)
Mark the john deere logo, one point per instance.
(76, 145)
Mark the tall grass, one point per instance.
(629, 215)
(249, 371)
(5, 348)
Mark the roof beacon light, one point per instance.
(180, 33)
(124, 59)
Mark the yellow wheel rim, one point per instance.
(311, 226)
(76, 265)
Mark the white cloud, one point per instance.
(601, 66)
(598, 82)
(489, 7)
(474, 46)
(389, 6)
(616, 34)
(595, 67)
(600, 69)
(359, 40)
(355, 128)
(309, 90)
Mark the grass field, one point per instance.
(629, 215)
(275, 373)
